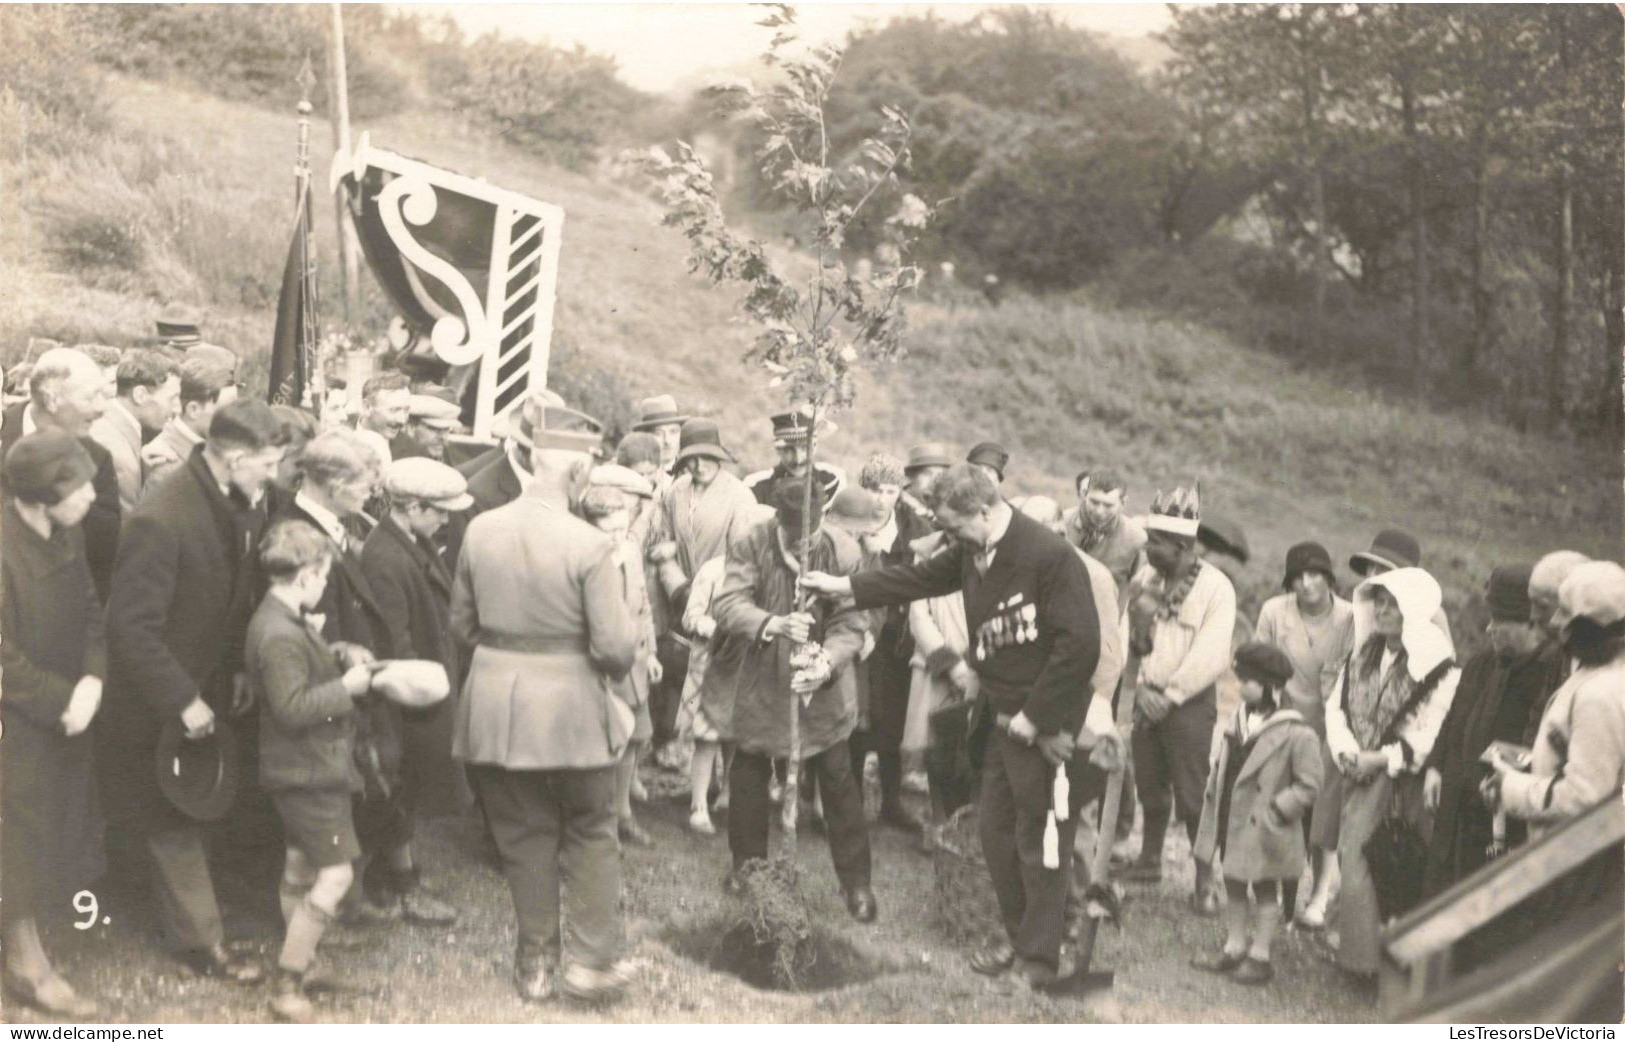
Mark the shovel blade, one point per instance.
(1081, 984)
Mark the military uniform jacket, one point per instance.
(540, 599)
(1034, 630)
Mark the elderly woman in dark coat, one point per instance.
(54, 658)
(756, 606)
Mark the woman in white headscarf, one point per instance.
(1381, 721)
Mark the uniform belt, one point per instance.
(534, 643)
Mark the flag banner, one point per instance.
(294, 344)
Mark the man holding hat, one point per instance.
(429, 418)
(921, 468)
(991, 458)
(1314, 628)
(412, 587)
(1184, 647)
(659, 416)
(181, 599)
(792, 436)
(1499, 689)
(538, 596)
(68, 392)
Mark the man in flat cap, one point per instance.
(412, 587)
(1499, 689)
(429, 418)
(68, 391)
(182, 596)
(539, 598)
(792, 437)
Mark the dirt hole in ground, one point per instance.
(825, 961)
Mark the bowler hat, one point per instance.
(990, 454)
(1390, 550)
(1307, 557)
(46, 466)
(657, 411)
(1264, 663)
(931, 454)
(1509, 593)
(198, 776)
(701, 438)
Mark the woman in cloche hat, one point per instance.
(54, 658)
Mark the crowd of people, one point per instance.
(216, 608)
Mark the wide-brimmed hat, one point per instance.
(701, 437)
(1419, 599)
(1307, 557)
(658, 411)
(198, 776)
(545, 422)
(931, 454)
(1390, 549)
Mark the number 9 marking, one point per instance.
(84, 902)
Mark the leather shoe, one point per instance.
(217, 961)
(899, 816)
(1253, 971)
(1223, 962)
(533, 974)
(288, 1001)
(860, 901)
(52, 995)
(586, 984)
(632, 833)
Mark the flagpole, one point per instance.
(338, 90)
(308, 366)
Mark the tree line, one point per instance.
(1427, 193)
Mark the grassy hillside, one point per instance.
(189, 198)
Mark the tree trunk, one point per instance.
(1421, 348)
(1557, 360)
(1475, 347)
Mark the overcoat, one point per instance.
(1282, 768)
(412, 588)
(120, 434)
(100, 528)
(52, 621)
(539, 598)
(183, 592)
(307, 720)
(758, 583)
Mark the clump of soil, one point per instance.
(727, 945)
(967, 911)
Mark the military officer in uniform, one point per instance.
(1035, 641)
(540, 600)
(792, 437)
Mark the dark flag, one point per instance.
(294, 345)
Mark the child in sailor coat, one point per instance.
(1265, 775)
